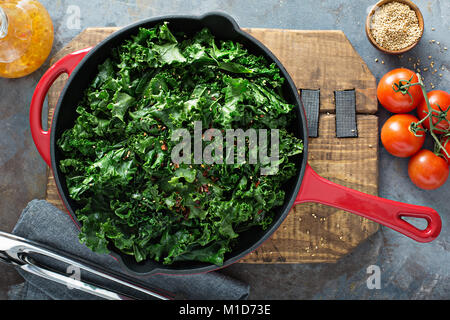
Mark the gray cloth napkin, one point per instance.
(44, 223)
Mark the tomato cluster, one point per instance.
(401, 91)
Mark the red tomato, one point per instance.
(397, 102)
(446, 144)
(427, 170)
(398, 139)
(436, 97)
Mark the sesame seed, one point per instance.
(395, 26)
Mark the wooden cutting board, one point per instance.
(322, 60)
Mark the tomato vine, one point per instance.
(441, 115)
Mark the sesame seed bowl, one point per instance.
(394, 26)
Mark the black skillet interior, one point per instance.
(223, 27)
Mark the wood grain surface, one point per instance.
(322, 60)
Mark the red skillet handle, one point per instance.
(41, 138)
(386, 212)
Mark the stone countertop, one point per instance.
(408, 270)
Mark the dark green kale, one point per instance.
(117, 157)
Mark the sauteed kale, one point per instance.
(117, 157)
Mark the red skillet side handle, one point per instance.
(386, 212)
(41, 138)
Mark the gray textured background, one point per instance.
(409, 270)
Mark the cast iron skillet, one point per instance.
(307, 186)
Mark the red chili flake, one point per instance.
(186, 213)
(214, 98)
(164, 147)
(260, 211)
(257, 184)
(204, 188)
(205, 173)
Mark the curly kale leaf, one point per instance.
(117, 156)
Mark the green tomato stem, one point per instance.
(430, 118)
